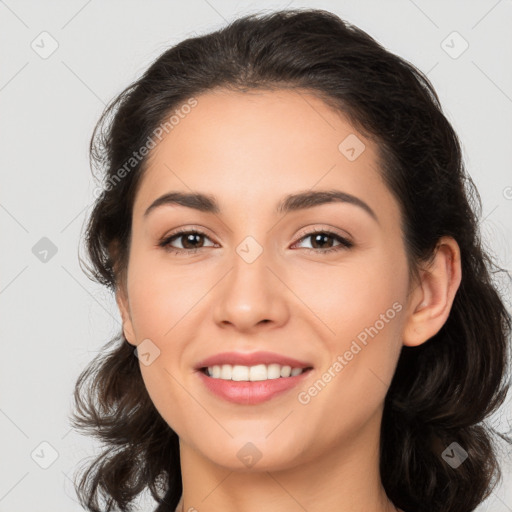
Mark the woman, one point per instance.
(292, 240)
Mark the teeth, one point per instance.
(252, 373)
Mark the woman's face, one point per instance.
(258, 278)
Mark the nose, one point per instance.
(252, 296)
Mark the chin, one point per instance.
(253, 456)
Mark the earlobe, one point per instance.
(432, 300)
(122, 303)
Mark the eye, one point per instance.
(321, 237)
(190, 241)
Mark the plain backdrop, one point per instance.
(60, 63)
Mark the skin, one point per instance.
(249, 150)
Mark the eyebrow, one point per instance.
(290, 203)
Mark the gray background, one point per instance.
(54, 320)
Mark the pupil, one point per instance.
(189, 238)
(318, 238)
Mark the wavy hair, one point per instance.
(442, 391)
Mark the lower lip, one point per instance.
(251, 393)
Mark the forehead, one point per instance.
(250, 148)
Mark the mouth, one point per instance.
(251, 378)
(243, 385)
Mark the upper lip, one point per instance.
(251, 359)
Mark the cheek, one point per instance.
(366, 319)
(361, 311)
(162, 300)
(165, 304)
(346, 298)
(161, 295)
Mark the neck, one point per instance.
(345, 478)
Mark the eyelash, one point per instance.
(165, 242)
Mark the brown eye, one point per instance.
(322, 241)
(190, 241)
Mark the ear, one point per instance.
(124, 309)
(121, 293)
(431, 301)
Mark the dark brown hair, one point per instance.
(443, 390)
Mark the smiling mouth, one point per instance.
(256, 373)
